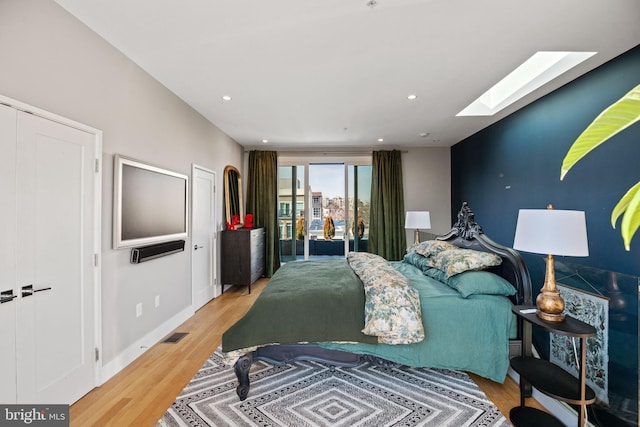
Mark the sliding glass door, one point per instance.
(328, 211)
(359, 199)
(291, 212)
(327, 217)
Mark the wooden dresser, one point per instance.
(242, 257)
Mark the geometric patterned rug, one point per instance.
(312, 394)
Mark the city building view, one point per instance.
(321, 215)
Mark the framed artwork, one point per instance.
(594, 310)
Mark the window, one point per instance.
(339, 188)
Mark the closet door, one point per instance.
(55, 223)
(8, 287)
(203, 237)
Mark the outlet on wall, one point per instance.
(157, 301)
(139, 309)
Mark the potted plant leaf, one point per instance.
(613, 120)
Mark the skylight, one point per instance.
(536, 71)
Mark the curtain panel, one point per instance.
(387, 236)
(262, 202)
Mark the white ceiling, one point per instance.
(336, 73)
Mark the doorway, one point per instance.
(323, 209)
(203, 238)
(50, 273)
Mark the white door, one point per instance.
(203, 237)
(55, 261)
(8, 289)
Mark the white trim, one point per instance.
(49, 116)
(97, 215)
(97, 250)
(141, 345)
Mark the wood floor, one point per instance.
(141, 393)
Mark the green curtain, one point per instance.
(262, 202)
(386, 231)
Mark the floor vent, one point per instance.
(175, 337)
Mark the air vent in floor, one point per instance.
(175, 337)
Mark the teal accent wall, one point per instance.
(515, 164)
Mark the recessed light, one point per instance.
(412, 97)
(226, 98)
(424, 135)
(380, 139)
(264, 141)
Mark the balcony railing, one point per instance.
(321, 247)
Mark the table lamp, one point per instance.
(551, 232)
(417, 220)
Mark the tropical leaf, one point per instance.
(623, 204)
(617, 117)
(631, 218)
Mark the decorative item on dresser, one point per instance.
(242, 256)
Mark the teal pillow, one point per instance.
(480, 282)
(416, 260)
(434, 273)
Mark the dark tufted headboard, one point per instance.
(467, 234)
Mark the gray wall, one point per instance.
(52, 61)
(427, 187)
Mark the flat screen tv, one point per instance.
(150, 204)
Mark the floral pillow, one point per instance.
(456, 261)
(431, 248)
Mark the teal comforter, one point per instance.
(469, 334)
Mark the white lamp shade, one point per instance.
(417, 220)
(550, 231)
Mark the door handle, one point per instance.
(28, 290)
(196, 247)
(6, 296)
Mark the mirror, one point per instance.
(233, 194)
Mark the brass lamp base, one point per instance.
(550, 317)
(549, 302)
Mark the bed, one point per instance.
(439, 316)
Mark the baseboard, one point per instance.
(515, 348)
(136, 349)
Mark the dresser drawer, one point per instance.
(243, 256)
